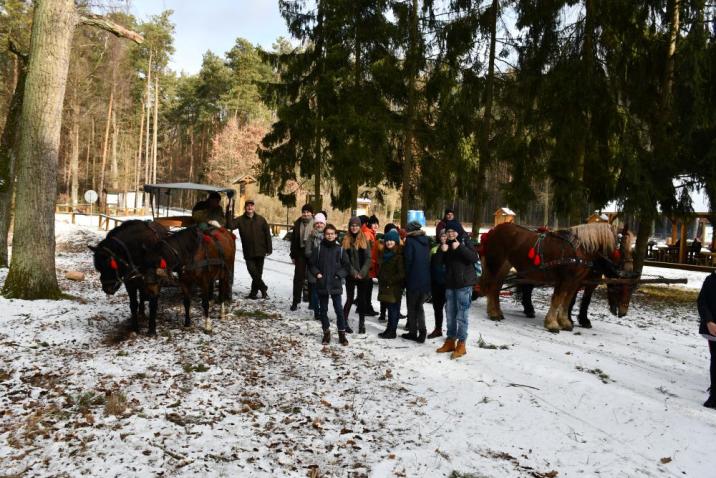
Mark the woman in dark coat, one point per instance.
(391, 276)
(329, 265)
(356, 246)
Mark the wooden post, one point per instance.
(682, 243)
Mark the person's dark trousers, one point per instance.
(299, 277)
(315, 301)
(438, 293)
(712, 349)
(350, 296)
(393, 315)
(255, 266)
(369, 305)
(416, 314)
(337, 307)
(383, 308)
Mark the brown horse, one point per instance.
(198, 258)
(619, 265)
(563, 258)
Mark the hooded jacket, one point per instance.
(417, 262)
(329, 260)
(459, 266)
(391, 274)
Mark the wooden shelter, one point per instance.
(503, 215)
(247, 190)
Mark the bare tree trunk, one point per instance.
(32, 270)
(75, 157)
(114, 167)
(154, 136)
(105, 146)
(9, 144)
(191, 154)
(94, 158)
(138, 162)
(148, 105)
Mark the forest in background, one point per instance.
(551, 108)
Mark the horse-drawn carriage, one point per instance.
(144, 255)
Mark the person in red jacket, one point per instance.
(370, 229)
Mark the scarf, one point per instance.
(306, 230)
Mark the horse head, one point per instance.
(620, 294)
(109, 268)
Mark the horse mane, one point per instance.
(594, 237)
(124, 226)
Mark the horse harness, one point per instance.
(132, 269)
(206, 262)
(535, 253)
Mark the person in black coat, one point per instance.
(417, 280)
(460, 277)
(330, 266)
(707, 327)
(302, 230)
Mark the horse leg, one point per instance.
(153, 302)
(133, 306)
(205, 305)
(496, 312)
(186, 296)
(526, 293)
(550, 320)
(584, 306)
(565, 295)
(571, 306)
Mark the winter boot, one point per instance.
(435, 334)
(264, 294)
(361, 325)
(342, 338)
(711, 402)
(326, 337)
(348, 328)
(294, 306)
(252, 295)
(448, 346)
(459, 350)
(388, 334)
(409, 336)
(421, 336)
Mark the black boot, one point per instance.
(294, 306)
(326, 337)
(348, 328)
(711, 402)
(342, 338)
(388, 334)
(361, 325)
(421, 336)
(409, 336)
(264, 294)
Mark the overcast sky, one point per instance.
(214, 25)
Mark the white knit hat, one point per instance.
(319, 218)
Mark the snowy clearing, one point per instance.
(261, 397)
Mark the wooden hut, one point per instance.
(504, 214)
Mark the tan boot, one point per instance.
(459, 350)
(448, 346)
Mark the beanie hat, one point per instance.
(363, 219)
(388, 227)
(440, 233)
(373, 220)
(354, 220)
(392, 235)
(319, 218)
(414, 226)
(307, 207)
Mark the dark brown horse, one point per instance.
(620, 265)
(562, 258)
(120, 258)
(197, 258)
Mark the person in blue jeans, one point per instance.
(460, 277)
(391, 276)
(330, 266)
(319, 223)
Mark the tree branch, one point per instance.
(103, 23)
(14, 48)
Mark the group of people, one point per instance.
(402, 263)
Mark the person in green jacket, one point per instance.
(391, 277)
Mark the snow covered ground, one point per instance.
(79, 395)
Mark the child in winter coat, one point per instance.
(391, 275)
(437, 284)
(329, 265)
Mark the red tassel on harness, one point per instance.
(233, 235)
(537, 260)
(531, 253)
(162, 264)
(113, 264)
(207, 239)
(617, 255)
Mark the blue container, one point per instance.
(416, 215)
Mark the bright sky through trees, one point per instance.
(214, 25)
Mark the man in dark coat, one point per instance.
(460, 276)
(302, 229)
(209, 210)
(417, 280)
(707, 327)
(256, 244)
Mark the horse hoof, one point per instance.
(496, 318)
(568, 328)
(554, 331)
(530, 315)
(586, 324)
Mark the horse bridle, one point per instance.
(132, 270)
